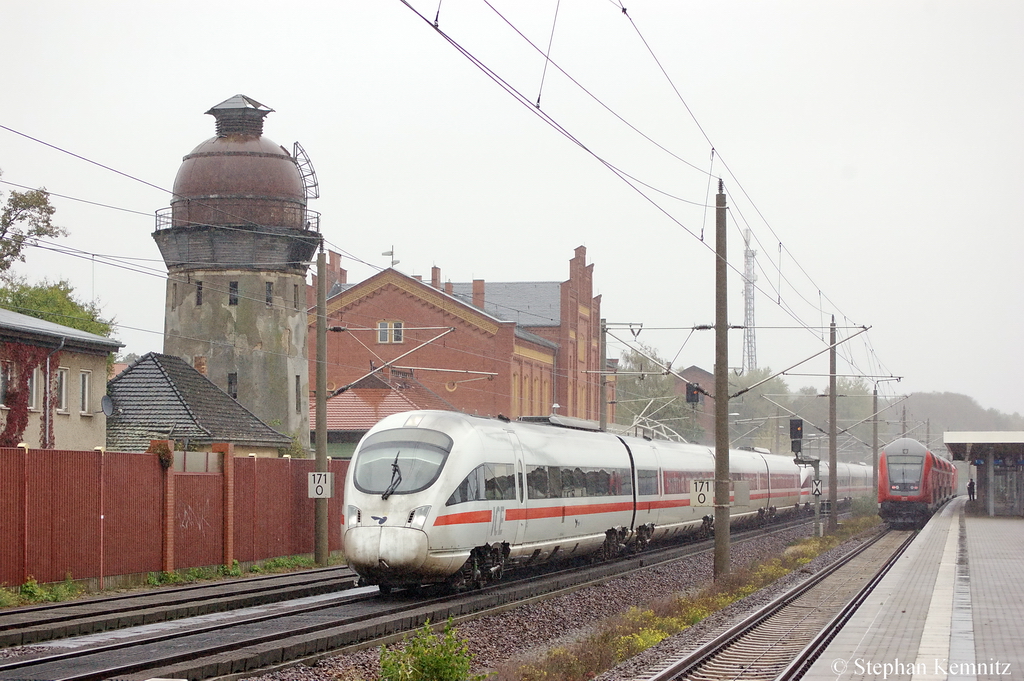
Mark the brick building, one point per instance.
(512, 348)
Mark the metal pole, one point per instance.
(833, 432)
(322, 538)
(602, 405)
(874, 443)
(721, 564)
(817, 500)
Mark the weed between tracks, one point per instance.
(636, 630)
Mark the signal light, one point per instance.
(692, 393)
(796, 429)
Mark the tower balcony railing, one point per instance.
(165, 220)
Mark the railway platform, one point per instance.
(951, 608)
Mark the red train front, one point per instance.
(912, 482)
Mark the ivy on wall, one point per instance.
(23, 360)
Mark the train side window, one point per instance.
(470, 489)
(537, 482)
(554, 482)
(499, 481)
(646, 482)
(598, 483)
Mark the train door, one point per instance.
(515, 513)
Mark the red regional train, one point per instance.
(912, 483)
(434, 496)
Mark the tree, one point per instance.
(760, 412)
(25, 217)
(647, 393)
(55, 302)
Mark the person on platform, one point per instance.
(970, 490)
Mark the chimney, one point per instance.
(435, 277)
(448, 287)
(336, 275)
(478, 293)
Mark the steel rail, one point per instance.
(806, 657)
(695, 659)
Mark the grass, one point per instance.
(636, 630)
(32, 592)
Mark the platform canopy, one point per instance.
(967, 444)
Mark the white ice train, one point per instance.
(439, 496)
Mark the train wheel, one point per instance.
(384, 588)
(457, 582)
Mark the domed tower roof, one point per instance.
(241, 180)
(240, 176)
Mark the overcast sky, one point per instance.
(875, 150)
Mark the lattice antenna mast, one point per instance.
(749, 277)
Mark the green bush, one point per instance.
(427, 656)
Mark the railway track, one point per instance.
(26, 626)
(252, 639)
(779, 641)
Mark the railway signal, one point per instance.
(692, 393)
(796, 434)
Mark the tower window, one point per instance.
(389, 332)
(233, 385)
(199, 293)
(270, 293)
(298, 394)
(232, 293)
(296, 292)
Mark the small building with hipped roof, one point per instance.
(161, 397)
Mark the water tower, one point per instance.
(237, 240)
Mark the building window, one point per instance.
(84, 384)
(5, 381)
(233, 385)
(270, 293)
(296, 293)
(389, 332)
(62, 390)
(232, 293)
(174, 294)
(33, 385)
(199, 293)
(298, 394)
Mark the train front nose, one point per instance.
(384, 554)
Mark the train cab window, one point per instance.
(904, 471)
(418, 453)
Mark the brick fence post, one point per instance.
(227, 451)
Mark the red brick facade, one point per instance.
(487, 363)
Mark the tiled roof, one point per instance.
(162, 397)
(374, 397)
(528, 303)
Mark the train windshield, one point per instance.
(904, 469)
(400, 461)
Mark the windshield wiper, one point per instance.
(396, 478)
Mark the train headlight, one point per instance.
(418, 517)
(354, 515)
